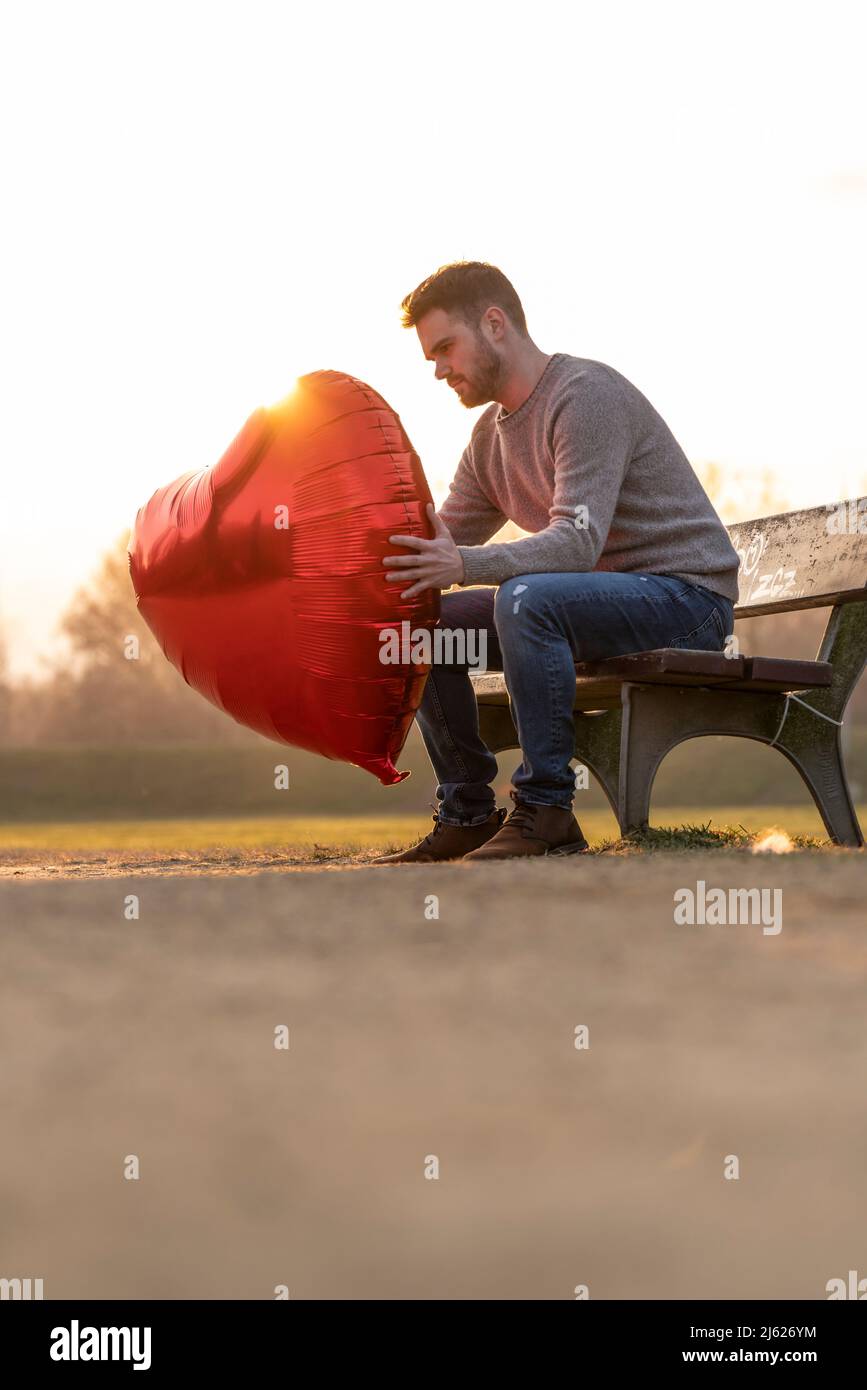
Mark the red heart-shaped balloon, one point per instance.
(262, 577)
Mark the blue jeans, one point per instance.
(536, 627)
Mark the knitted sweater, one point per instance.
(589, 466)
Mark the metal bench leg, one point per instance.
(597, 742)
(496, 729)
(657, 718)
(597, 745)
(811, 727)
(812, 745)
(653, 723)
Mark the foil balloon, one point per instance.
(262, 577)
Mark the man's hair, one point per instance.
(464, 289)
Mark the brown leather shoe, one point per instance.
(531, 829)
(447, 841)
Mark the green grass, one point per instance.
(683, 838)
(323, 837)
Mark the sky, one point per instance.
(204, 201)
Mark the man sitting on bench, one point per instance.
(628, 555)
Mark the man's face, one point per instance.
(467, 360)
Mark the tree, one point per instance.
(109, 689)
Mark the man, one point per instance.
(627, 554)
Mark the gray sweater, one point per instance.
(589, 466)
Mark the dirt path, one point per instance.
(73, 864)
(410, 1037)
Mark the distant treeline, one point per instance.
(152, 782)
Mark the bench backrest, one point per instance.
(807, 559)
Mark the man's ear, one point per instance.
(497, 322)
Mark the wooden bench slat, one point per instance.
(598, 683)
(792, 675)
(662, 661)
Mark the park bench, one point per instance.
(631, 710)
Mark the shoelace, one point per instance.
(437, 827)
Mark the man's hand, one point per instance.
(437, 565)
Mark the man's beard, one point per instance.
(485, 382)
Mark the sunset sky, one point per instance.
(203, 201)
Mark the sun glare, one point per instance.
(283, 399)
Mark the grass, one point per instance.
(325, 837)
(682, 838)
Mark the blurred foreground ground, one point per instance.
(412, 1037)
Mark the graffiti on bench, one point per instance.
(776, 584)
